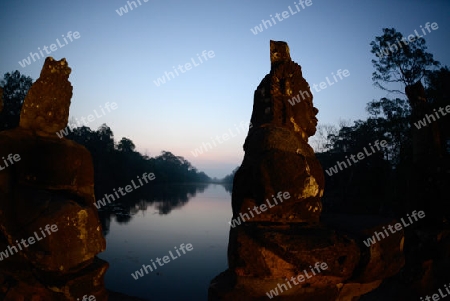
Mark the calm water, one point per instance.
(145, 230)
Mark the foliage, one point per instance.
(229, 178)
(116, 164)
(392, 118)
(15, 88)
(321, 141)
(377, 184)
(399, 60)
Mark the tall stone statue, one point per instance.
(277, 235)
(278, 157)
(49, 227)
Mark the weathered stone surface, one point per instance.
(285, 251)
(51, 184)
(46, 107)
(277, 155)
(378, 261)
(427, 253)
(351, 291)
(226, 286)
(25, 284)
(281, 241)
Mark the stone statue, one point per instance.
(277, 155)
(277, 233)
(46, 107)
(49, 185)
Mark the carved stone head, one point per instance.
(284, 98)
(45, 109)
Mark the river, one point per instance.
(139, 233)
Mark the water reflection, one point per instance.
(162, 197)
(228, 187)
(198, 215)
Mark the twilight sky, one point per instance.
(118, 57)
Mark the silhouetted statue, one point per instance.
(276, 199)
(277, 155)
(47, 194)
(426, 140)
(428, 171)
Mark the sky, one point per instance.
(117, 57)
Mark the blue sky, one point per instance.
(118, 58)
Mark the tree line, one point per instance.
(382, 183)
(379, 183)
(115, 163)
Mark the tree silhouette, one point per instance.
(381, 183)
(115, 164)
(126, 145)
(399, 60)
(392, 118)
(15, 88)
(228, 179)
(106, 138)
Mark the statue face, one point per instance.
(311, 112)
